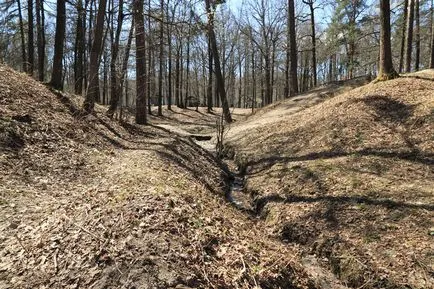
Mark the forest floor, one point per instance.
(350, 179)
(339, 201)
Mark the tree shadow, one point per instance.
(66, 101)
(418, 77)
(112, 141)
(412, 156)
(334, 201)
(388, 108)
(185, 154)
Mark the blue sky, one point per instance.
(233, 4)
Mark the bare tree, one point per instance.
(431, 61)
(161, 60)
(114, 80)
(56, 76)
(417, 36)
(79, 48)
(210, 75)
(40, 28)
(93, 87)
(403, 33)
(141, 85)
(311, 3)
(30, 37)
(23, 42)
(123, 78)
(409, 36)
(292, 50)
(217, 67)
(265, 33)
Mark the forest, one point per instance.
(242, 54)
(217, 144)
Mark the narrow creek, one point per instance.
(235, 193)
(240, 198)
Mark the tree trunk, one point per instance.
(105, 66)
(141, 85)
(181, 75)
(23, 41)
(93, 87)
(330, 74)
(417, 56)
(114, 86)
(404, 25)
(30, 39)
(312, 21)
(313, 38)
(210, 74)
(89, 43)
(79, 49)
(124, 70)
(56, 77)
(261, 67)
(287, 68)
(187, 77)
(40, 27)
(169, 65)
(127, 96)
(216, 93)
(409, 36)
(253, 81)
(268, 89)
(204, 78)
(151, 66)
(151, 77)
(386, 70)
(240, 83)
(273, 65)
(177, 80)
(219, 77)
(246, 75)
(161, 56)
(293, 84)
(431, 62)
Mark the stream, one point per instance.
(236, 193)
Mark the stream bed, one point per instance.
(236, 193)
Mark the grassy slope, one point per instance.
(351, 179)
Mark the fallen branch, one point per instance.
(84, 229)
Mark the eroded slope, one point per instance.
(351, 179)
(86, 202)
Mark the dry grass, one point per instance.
(344, 187)
(89, 203)
(351, 179)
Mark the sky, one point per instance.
(234, 4)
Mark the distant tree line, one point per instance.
(140, 53)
